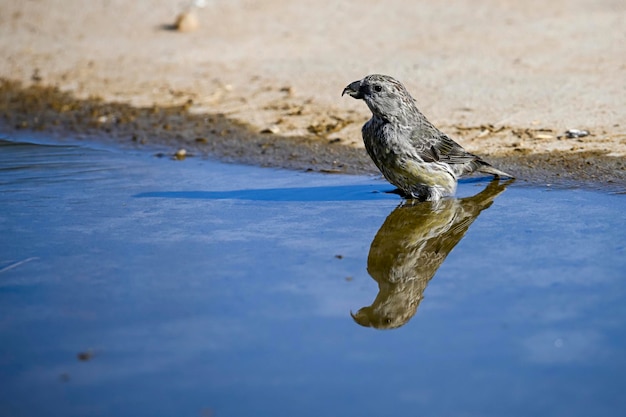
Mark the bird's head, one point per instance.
(385, 96)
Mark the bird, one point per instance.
(411, 153)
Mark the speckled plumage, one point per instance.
(411, 153)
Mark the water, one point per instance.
(137, 286)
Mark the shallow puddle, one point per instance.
(137, 286)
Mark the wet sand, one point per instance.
(48, 111)
(262, 85)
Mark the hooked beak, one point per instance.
(353, 90)
(361, 318)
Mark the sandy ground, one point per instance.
(505, 78)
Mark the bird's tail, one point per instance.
(485, 168)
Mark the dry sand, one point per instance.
(261, 81)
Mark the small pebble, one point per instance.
(36, 77)
(543, 136)
(180, 154)
(85, 356)
(483, 133)
(576, 133)
(289, 90)
(186, 22)
(271, 129)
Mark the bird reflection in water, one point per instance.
(408, 249)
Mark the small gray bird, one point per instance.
(412, 154)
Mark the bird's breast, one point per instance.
(385, 142)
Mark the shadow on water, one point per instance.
(324, 193)
(361, 192)
(410, 247)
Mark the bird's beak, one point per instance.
(354, 90)
(360, 318)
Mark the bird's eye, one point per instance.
(378, 88)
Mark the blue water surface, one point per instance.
(139, 286)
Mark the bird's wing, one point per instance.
(433, 145)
